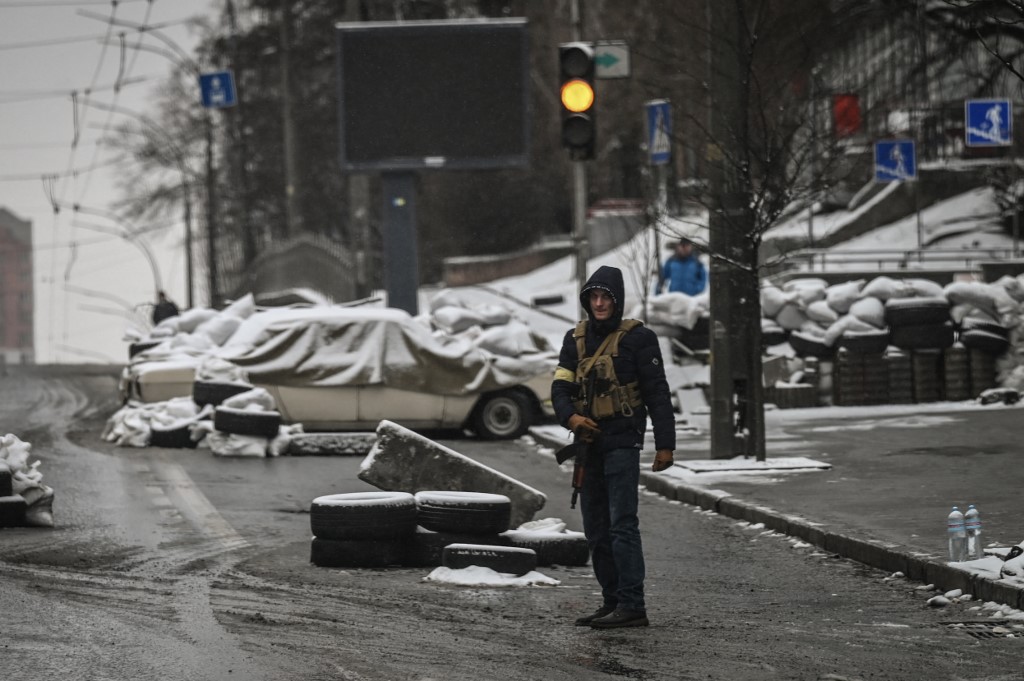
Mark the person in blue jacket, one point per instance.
(683, 271)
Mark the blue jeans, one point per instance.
(609, 502)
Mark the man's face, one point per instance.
(684, 250)
(601, 305)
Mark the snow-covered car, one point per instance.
(335, 368)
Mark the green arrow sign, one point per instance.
(611, 59)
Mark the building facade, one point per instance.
(17, 318)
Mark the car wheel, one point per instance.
(504, 559)
(463, 512)
(240, 422)
(865, 342)
(363, 515)
(212, 392)
(568, 550)
(502, 416)
(348, 553)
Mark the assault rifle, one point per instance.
(581, 444)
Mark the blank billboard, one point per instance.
(433, 94)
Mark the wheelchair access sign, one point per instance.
(988, 123)
(895, 161)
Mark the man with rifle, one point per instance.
(610, 376)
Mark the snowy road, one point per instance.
(175, 565)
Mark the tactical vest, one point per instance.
(596, 374)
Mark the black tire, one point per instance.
(12, 511)
(363, 553)
(865, 342)
(141, 346)
(427, 548)
(985, 341)
(503, 415)
(463, 512)
(916, 312)
(566, 549)
(808, 346)
(239, 422)
(6, 481)
(505, 559)
(773, 335)
(924, 336)
(969, 324)
(210, 392)
(363, 515)
(172, 438)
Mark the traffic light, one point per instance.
(576, 71)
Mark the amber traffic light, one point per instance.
(576, 73)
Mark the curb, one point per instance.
(922, 567)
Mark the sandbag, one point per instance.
(870, 310)
(791, 317)
(845, 323)
(924, 288)
(821, 312)
(841, 296)
(885, 288)
(773, 299)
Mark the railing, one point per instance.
(819, 260)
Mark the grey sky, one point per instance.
(86, 279)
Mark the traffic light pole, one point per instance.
(579, 218)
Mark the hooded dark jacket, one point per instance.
(639, 359)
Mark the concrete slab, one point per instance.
(404, 461)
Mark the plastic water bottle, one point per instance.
(957, 536)
(972, 524)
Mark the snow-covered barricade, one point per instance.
(24, 499)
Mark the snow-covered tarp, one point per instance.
(339, 346)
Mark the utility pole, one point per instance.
(737, 404)
(290, 167)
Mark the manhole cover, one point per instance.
(987, 630)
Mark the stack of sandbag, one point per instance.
(193, 333)
(157, 424)
(24, 499)
(491, 327)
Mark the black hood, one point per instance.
(610, 280)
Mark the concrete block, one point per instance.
(331, 444)
(404, 461)
(999, 591)
(659, 484)
(807, 531)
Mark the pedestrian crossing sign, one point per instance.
(988, 123)
(659, 131)
(895, 161)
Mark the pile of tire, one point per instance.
(900, 372)
(451, 529)
(203, 393)
(928, 379)
(956, 373)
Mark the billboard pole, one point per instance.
(401, 274)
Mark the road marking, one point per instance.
(194, 505)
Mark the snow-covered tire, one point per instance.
(141, 346)
(806, 345)
(916, 311)
(427, 547)
(363, 515)
(356, 553)
(212, 392)
(569, 549)
(865, 342)
(12, 511)
(985, 341)
(969, 324)
(172, 438)
(471, 513)
(503, 415)
(505, 559)
(923, 336)
(773, 335)
(240, 422)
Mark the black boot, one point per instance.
(603, 611)
(621, 618)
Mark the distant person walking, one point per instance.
(164, 308)
(683, 271)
